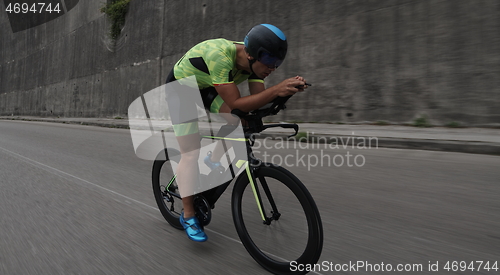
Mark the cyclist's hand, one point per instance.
(291, 86)
(302, 86)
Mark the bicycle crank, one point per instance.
(203, 210)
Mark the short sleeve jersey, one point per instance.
(213, 62)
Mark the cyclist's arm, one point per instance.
(231, 95)
(256, 87)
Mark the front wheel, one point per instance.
(284, 230)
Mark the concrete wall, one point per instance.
(391, 60)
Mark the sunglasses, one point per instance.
(271, 61)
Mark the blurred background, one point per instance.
(395, 61)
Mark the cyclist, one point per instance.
(219, 66)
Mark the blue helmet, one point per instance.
(267, 44)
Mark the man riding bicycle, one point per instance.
(219, 66)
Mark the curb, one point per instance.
(88, 123)
(470, 147)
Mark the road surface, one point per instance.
(76, 200)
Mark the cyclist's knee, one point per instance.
(224, 108)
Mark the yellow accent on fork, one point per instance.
(240, 163)
(250, 178)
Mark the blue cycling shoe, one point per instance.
(193, 229)
(212, 165)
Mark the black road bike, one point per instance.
(275, 216)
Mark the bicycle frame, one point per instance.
(254, 184)
(251, 166)
(253, 163)
(255, 125)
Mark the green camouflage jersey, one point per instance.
(213, 62)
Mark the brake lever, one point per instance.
(294, 126)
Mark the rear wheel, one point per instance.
(165, 186)
(291, 230)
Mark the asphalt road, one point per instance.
(76, 200)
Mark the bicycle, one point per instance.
(284, 205)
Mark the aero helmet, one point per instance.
(267, 44)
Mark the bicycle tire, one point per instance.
(255, 235)
(162, 174)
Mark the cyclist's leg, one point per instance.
(219, 106)
(187, 175)
(184, 115)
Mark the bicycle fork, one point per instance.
(258, 198)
